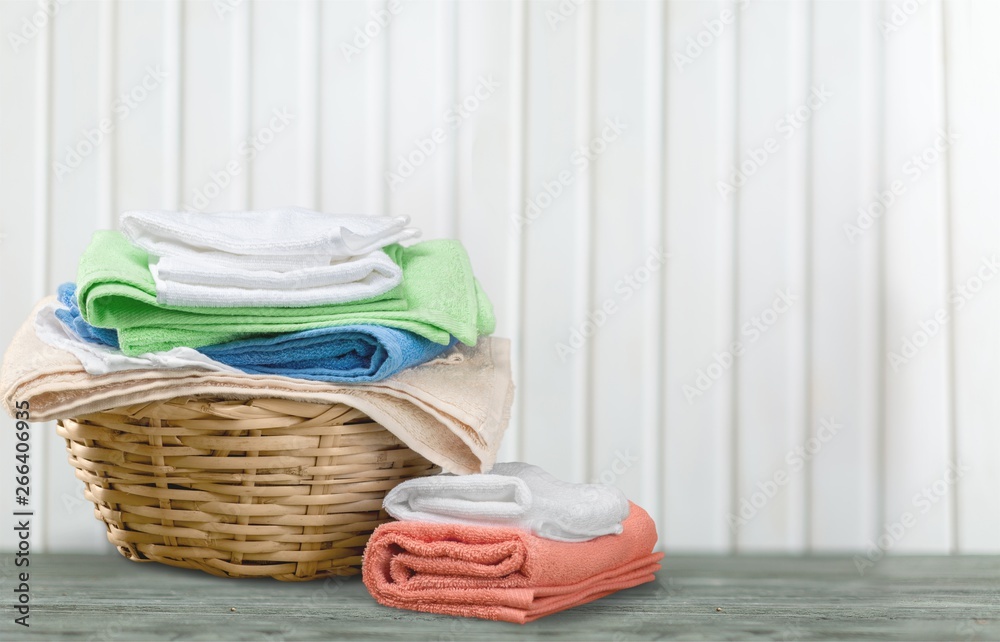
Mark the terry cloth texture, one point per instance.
(353, 279)
(70, 315)
(341, 354)
(503, 573)
(453, 410)
(98, 358)
(251, 239)
(513, 494)
(439, 298)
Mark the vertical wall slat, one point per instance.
(377, 63)
(652, 401)
(214, 73)
(78, 109)
(585, 88)
(772, 301)
(173, 121)
(421, 126)
(917, 423)
(700, 110)
(553, 410)
(107, 60)
(24, 178)
(626, 264)
(144, 70)
(282, 114)
(972, 56)
(484, 204)
(517, 168)
(447, 96)
(844, 319)
(308, 129)
(352, 154)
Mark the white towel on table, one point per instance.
(242, 238)
(513, 494)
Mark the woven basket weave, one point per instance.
(261, 488)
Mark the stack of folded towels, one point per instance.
(336, 298)
(288, 303)
(516, 544)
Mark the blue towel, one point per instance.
(71, 318)
(339, 354)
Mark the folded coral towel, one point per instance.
(183, 281)
(439, 298)
(513, 494)
(451, 410)
(282, 238)
(503, 573)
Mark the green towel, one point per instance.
(438, 298)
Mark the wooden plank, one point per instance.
(555, 243)
(283, 90)
(845, 365)
(653, 365)
(783, 598)
(776, 103)
(84, 122)
(421, 98)
(914, 232)
(972, 56)
(700, 113)
(214, 153)
(144, 67)
(485, 204)
(626, 264)
(24, 180)
(352, 94)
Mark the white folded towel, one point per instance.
(285, 232)
(513, 494)
(186, 294)
(289, 257)
(186, 269)
(99, 359)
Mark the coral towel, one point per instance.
(503, 573)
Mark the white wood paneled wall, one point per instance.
(736, 377)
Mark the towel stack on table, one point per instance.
(309, 307)
(279, 302)
(516, 544)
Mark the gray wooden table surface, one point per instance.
(76, 597)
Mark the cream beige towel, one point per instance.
(452, 410)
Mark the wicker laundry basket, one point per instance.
(259, 488)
